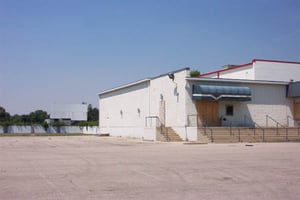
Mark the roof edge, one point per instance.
(237, 80)
(165, 74)
(277, 61)
(227, 69)
(124, 86)
(140, 81)
(247, 64)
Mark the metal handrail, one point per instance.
(255, 125)
(189, 121)
(294, 120)
(298, 127)
(277, 123)
(157, 121)
(211, 133)
(158, 124)
(288, 121)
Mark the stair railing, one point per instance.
(255, 126)
(157, 121)
(288, 120)
(298, 127)
(211, 136)
(295, 122)
(192, 120)
(230, 128)
(167, 135)
(158, 124)
(277, 125)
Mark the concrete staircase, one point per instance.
(169, 135)
(202, 138)
(249, 134)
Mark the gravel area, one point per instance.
(91, 167)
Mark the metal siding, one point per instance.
(222, 93)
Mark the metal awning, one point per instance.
(221, 93)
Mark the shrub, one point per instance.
(58, 124)
(88, 123)
(194, 73)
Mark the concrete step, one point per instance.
(203, 138)
(243, 134)
(170, 135)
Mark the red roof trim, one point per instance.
(223, 70)
(278, 61)
(244, 65)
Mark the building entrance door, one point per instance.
(208, 113)
(297, 110)
(162, 112)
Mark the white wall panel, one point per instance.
(246, 72)
(276, 71)
(174, 95)
(127, 107)
(266, 100)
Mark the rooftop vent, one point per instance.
(228, 66)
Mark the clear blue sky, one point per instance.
(66, 51)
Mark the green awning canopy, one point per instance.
(221, 93)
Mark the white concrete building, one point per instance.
(263, 92)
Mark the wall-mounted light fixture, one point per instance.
(161, 97)
(139, 112)
(171, 76)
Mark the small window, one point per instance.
(229, 110)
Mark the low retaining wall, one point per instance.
(20, 129)
(51, 129)
(91, 130)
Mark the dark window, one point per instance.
(229, 110)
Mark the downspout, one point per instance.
(149, 97)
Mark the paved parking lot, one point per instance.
(91, 167)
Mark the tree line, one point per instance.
(38, 117)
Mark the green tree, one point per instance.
(4, 116)
(38, 116)
(16, 119)
(93, 113)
